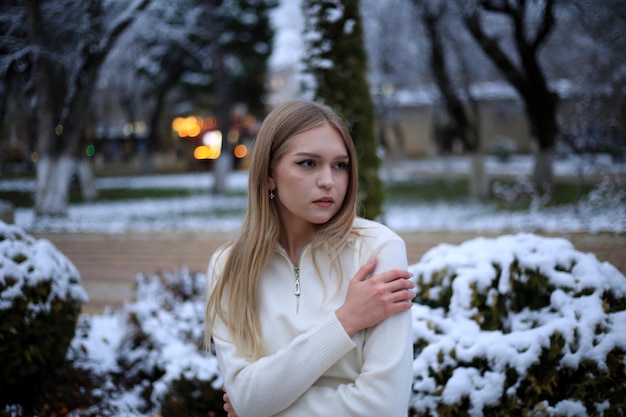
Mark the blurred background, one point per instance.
(124, 88)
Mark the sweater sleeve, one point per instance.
(272, 383)
(383, 386)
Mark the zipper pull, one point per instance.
(297, 290)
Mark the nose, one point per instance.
(325, 178)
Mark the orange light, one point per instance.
(187, 126)
(177, 124)
(206, 152)
(240, 151)
(194, 131)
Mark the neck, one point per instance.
(293, 241)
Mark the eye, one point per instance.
(307, 163)
(341, 165)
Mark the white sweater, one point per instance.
(312, 367)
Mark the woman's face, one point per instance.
(311, 178)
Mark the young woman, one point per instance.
(309, 306)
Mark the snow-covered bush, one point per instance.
(518, 325)
(40, 301)
(150, 355)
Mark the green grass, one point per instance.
(405, 192)
(427, 191)
(457, 191)
(17, 198)
(26, 200)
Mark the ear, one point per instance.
(271, 184)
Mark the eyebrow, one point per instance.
(317, 156)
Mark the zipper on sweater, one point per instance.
(297, 291)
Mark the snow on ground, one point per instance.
(603, 211)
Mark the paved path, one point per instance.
(109, 263)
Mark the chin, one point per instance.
(320, 221)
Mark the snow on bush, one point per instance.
(150, 354)
(518, 325)
(40, 301)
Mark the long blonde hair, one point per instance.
(251, 249)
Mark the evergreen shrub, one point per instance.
(518, 325)
(165, 344)
(40, 301)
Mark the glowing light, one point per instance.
(58, 130)
(206, 152)
(240, 151)
(187, 126)
(212, 138)
(128, 129)
(194, 131)
(177, 124)
(90, 150)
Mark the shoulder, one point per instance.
(218, 260)
(372, 239)
(372, 232)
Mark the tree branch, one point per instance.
(493, 49)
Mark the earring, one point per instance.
(272, 195)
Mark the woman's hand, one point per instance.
(370, 301)
(228, 407)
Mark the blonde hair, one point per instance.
(251, 249)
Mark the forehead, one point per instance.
(322, 140)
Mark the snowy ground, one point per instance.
(603, 211)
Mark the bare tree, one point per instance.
(531, 23)
(464, 127)
(68, 43)
(455, 95)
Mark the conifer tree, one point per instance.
(337, 61)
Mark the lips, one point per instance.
(324, 202)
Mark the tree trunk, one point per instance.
(479, 184)
(221, 170)
(53, 183)
(542, 174)
(222, 164)
(87, 180)
(541, 109)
